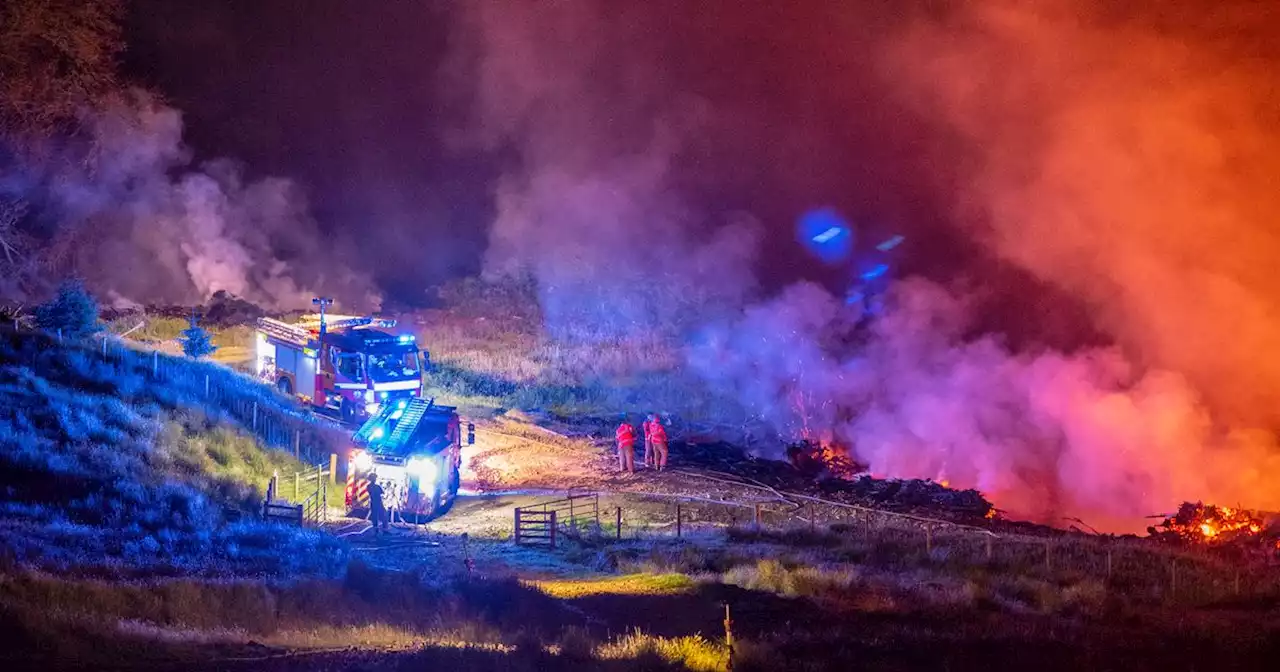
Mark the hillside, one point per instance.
(108, 471)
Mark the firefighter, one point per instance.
(658, 437)
(626, 436)
(377, 511)
(392, 506)
(648, 441)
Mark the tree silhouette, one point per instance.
(196, 342)
(73, 313)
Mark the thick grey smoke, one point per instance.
(588, 208)
(145, 225)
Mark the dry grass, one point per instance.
(692, 653)
(627, 584)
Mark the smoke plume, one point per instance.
(1130, 159)
(586, 207)
(1123, 158)
(145, 225)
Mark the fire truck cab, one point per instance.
(413, 448)
(344, 364)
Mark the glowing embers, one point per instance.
(818, 458)
(1214, 525)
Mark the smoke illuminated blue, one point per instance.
(826, 234)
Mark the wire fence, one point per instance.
(1127, 565)
(275, 420)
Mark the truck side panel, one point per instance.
(306, 379)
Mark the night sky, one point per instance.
(359, 102)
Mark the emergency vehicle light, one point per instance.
(371, 408)
(362, 460)
(406, 338)
(424, 469)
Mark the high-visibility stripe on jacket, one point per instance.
(657, 432)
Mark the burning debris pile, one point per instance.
(1220, 527)
(824, 470)
(823, 459)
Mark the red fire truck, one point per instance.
(413, 449)
(340, 363)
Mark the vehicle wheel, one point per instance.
(451, 495)
(285, 386)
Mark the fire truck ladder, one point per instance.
(340, 322)
(409, 421)
(286, 332)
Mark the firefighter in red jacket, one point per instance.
(658, 439)
(626, 436)
(648, 440)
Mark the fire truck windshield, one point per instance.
(394, 365)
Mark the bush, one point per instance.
(196, 342)
(73, 313)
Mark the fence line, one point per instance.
(1130, 566)
(274, 420)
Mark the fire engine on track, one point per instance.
(413, 449)
(340, 363)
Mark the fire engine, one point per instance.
(340, 363)
(413, 449)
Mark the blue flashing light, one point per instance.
(402, 404)
(875, 272)
(406, 338)
(826, 234)
(376, 433)
(890, 243)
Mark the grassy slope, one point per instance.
(106, 471)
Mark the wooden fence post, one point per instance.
(104, 348)
(297, 440)
(813, 518)
(988, 548)
(255, 416)
(155, 363)
(553, 529)
(1108, 563)
(206, 386)
(679, 524)
(516, 529)
(928, 540)
(728, 634)
(755, 516)
(296, 485)
(1048, 565)
(333, 468)
(619, 523)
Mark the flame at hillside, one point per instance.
(1222, 527)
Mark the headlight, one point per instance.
(371, 408)
(363, 461)
(424, 469)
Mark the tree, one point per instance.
(196, 342)
(73, 313)
(58, 58)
